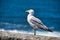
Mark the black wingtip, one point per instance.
(50, 30)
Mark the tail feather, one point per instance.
(45, 28)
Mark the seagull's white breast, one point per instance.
(29, 18)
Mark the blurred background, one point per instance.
(13, 16)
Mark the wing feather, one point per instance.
(40, 25)
(38, 22)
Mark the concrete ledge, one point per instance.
(18, 36)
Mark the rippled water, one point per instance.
(13, 16)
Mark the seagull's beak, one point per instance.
(27, 11)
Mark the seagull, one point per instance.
(35, 22)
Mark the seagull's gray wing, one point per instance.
(38, 23)
(36, 20)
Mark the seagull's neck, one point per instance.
(29, 16)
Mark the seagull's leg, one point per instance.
(34, 30)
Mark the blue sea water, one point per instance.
(13, 16)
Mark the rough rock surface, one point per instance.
(18, 36)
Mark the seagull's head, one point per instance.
(30, 11)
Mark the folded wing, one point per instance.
(39, 24)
